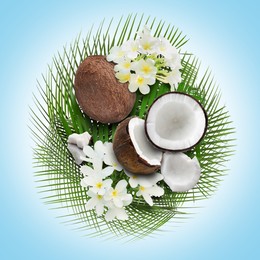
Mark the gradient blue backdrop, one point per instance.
(224, 34)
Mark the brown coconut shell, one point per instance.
(100, 95)
(126, 154)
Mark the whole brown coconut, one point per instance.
(126, 153)
(100, 95)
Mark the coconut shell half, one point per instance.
(100, 95)
(126, 151)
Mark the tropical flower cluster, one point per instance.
(106, 195)
(145, 59)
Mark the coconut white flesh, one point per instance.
(181, 173)
(175, 122)
(76, 153)
(80, 140)
(142, 145)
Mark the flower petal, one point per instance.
(147, 198)
(121, 185)
(156, 191)
(86, 170)
(118, 202)
(144, 89)
(110, 215)
(91, 204)
(99, 208)
(89, 152)
(97, 164)
(107, 183)
(132, 87)
(121, 214)
(107, 171)
(133, 182)
(99, 148)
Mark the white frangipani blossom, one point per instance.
(148, 192)
(147, 185)
(96, 202)
(123, 76)
(116, 213)
(116, 54)
(94, 178)
(143, 180)
(97, 152)
(173, 78)
(110, 158)
(119, 195)
(145, 68)
(123, 66)
(130, 48)
(141, 83)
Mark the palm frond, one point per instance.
(58, 114)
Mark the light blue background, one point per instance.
(224, 34)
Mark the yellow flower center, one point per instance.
(99, 185)
(114, 193)
(127, 65)
(140, 80)
(120, 54)
(126, 77)
(114, 164)
(142, 188)
(99, 197)
(147, 46)
(146, 69)
(134, 177)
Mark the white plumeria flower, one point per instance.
(123, 66)
(145, 32)
(147, 192)
(119, 195)
(110, 158)
(147, 43)
(97, 152)
(96, 202)
(174, 61)
(94, 177)
(165, 48)
(145, 68)
(123, 77)
(131, 48)
(116, 54)
(140, 82)
(114, 212)
(143, 180)
(173, 78)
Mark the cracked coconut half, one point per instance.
(176, 122)
(132, 148)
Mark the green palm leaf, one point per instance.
(57, 115)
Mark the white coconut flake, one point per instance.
(181, 173)
(76, 153)
(175, 122)
(142, 145)
(80, 140)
